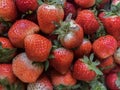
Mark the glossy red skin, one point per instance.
(104, 46)
(8, 10)
(6, 72)
(62, 60)
(88, 21)
(84, 49)
(110, 81)
(26, 5)
(66, 79)
(85, 3)
(82, 72)
(47, 16)
(19, 30)
(37, 47)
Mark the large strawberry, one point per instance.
(86, 18)
(26, 70)
(48, 15)
(37, 47)
(105, 46)
(43, 83)
(62, 59)
(8, 10)
(19, 30)
(26, 5)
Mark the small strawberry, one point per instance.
(115, 2)
(47, 15)
(86, 18)
(117, 56)
(85, 3)
(62, 59)
(43, 83)
(19, 30)
(8, 10)
(26, 70)
(84, 49)
(26, 5)
(85, 69)
(105, 46)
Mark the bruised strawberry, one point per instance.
(86, 18)
(105, 46)
(26, 70)
(47, 15)
(26, 5)
(8, 10)
(43, 83)
(19, 30)
(62, 59)
(37, 47)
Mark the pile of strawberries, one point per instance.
(59, 44)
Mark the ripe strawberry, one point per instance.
(8, 10)
(117, 56)
(105, 46)
(19, 30)
(37, 47)
(70, 34)
(6, 74)
(62, 60)
(113, 81)
(88, 21)
(59, 79)
(43, 83)
(84, 69)
(85, 3)
(115, 2)
(26, 5)
(47, 15)
(26, 70)
(7, 51)
(84, 49)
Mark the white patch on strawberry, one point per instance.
(50, 7)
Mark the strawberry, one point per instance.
(26, 5)
(101, 3)
(7, 51)
(85, 3)
(113, 81)
(70, 34)
(62, 59)
(43, 83)
(6, 74)
(105, 46)
(117, 56)
(19, 30)
(47, 15)
(84, 69)
(26, 70)
(37, 47)
(59, 79)
(8, 10)
(115, 2)
(84, 49)
(88, 21)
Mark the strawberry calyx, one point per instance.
(92, 65)
(118, 80)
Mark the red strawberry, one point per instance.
(43, 83)
(70, 34)
(19, 30)
(113, 81)
(88, 21)
(6, 74)
(85, 3)
(26, 5)
(8, 10)
(37, 47)
(115, 2)
(47, 15)
(117, 56)
(62, 60)
(84, 49)
(105, 46)
(84, 69)
(26, 70)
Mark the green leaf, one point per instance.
(91, 57)
(40, 2)
(4, 81)
(46, 65)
